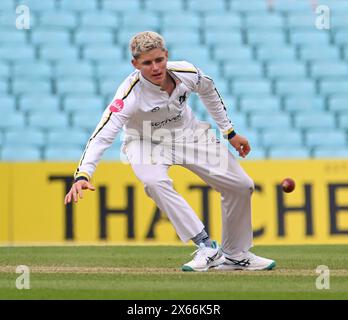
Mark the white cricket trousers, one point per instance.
(231, 181)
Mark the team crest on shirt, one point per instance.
(117, 105)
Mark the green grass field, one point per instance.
(153, 272)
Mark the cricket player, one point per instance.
(161, 130)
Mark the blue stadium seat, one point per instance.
(284, 70)
(319, 53)
(104, 20)
(256, 153)
(257, 21)
(87, 121)
(14, 153)
(114, 153)
(206, 6)
(69, 137)
(304, 103)
(49, 120)
(24, 137)
(182, 22)
(13, 120)
(4, 70)
(318, 120)
(295, 87)
(260, 105)
(289, 153)
(329, 69)
(38, 102)
(135, 22)
(8, 103)
(7, 5)
(3, 86)
(63, 153)
(173, 6)
(187, 37)
(192, 54)
(238, 119)
(341, 37)
(59, 53)
(235, 54)
(281, 138)
(17, 53)
(222, 21)
(103, 53)
(50, 37)
(327, 138)
(264, 37)
(300, 21)
(337, 104)
(76, 86)
(109, 86)
(339, 22)
(236, 70)
(29, 85)
(122, 6)
(309, 38)
(84, 104)
(90, 36)
(113, 70)
(39, 6)
(262, 121)
(245, 87)
(216, 37)
(34, 69)
(210, 69)
(69, 69)
(78, 5)
(275, 53)
(287, 6)
(333, 86)
(343, 121)
(248, 6)
(58, 20)
(331, 152)
(337, 7)
(13, 36)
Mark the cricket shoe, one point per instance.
(205, 258)
(247, 261)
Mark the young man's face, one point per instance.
(153, 65)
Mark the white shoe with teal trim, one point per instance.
(246, 261)
(205, 258)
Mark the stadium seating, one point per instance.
(284, 82)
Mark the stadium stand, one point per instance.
(284, 81)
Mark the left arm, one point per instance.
(211, 98)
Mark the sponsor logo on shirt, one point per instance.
(117, 105)
(160, 124)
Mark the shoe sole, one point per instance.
(230, 267)
(213, 265)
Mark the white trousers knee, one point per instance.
(231, 181)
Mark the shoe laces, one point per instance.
(200, 252)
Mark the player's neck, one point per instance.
(168, 84)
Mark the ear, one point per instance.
(135, 63)
(166, 53)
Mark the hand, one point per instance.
(76, 191)
(241, 144)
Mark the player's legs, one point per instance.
(159, 187)
(236, 188)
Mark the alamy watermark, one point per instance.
(23, 281)
(23, 18)
(322, 22)
(323, 280)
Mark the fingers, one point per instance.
(91, 187)
(79, 191)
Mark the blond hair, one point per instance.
(145, 41)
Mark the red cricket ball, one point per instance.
(288, 185)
